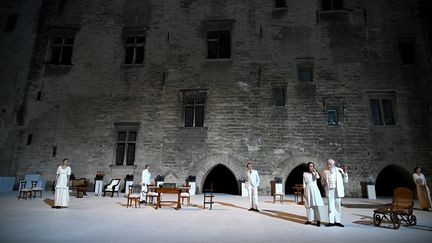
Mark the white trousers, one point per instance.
(143, 192)
(314, 213)
(253, 197)
(98, 187)
(334, 206)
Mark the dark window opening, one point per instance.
(218, 44)
(39, 95)
(280, 4)
(194, 112)
(332, 4)
(11, 22)
(279, 96)
(29, 139)
(382, 112)
(61, 50)
(305, 73)
(332, 117)
(126, 146)
(407, 52)
(134, 50)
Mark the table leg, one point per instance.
(178, 201)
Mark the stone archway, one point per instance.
(294, 177)
(223, 180)
(390, 177)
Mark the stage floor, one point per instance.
(106, 219)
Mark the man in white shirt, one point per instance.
(333, 181)
(252, 184)
(145, 180)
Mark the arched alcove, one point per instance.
(294, 177)
(390, 177)
(223, 180)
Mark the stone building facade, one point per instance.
(187, 85)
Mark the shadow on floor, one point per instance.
(272, 213)
(49, 202)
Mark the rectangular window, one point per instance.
(126, 138)
(332, 116)
(218, 44)
(280, 4)
(134, 49)
(382, 111)
(61, 50)
(305, 73)
(279, 97)
(11, 22)
(194, 112)
(332, 4)
(407, 51)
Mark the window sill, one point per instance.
(280, 9)
(219, 60)
(122, 166)
(194, 128)
(132, 65)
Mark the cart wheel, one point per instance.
(395, 220)
(377, 219)
(412, 220)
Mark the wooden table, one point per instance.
(160, 190)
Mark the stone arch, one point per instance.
(390, 177)
(202, 168)
(222, 180)
(294, 167)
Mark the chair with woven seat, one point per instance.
(112, 187)
(185, 194)
(35, 189)
(132, 197)
(24, 192)
(150, 195)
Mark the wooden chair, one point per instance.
(79, 186)
(298, 194)
(185, 194)
(132, 197)
(278, 193)
(208, 196)
(23, 191)
(112, 187)
(151, 195)
(400, 210)
(35, 189)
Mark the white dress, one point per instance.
(61, 198)
(311, 192)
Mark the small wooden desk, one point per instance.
(298, 190)
(159, 190)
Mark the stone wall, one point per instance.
(354, 54)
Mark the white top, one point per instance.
(253, 178)
(419, 179)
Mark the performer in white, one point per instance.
(313, 200)
(61, 198)
(334, 179)
(423, 192)
(252, 184)
(145, 181)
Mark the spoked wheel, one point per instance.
(395, 220)
(377, 219)
(412, 220)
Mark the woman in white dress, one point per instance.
(423, 192)
(61, 198)
(313, 200)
